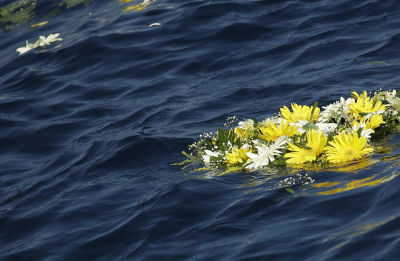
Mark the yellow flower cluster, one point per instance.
(304, 134)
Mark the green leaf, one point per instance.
(330, 137)
(290, 190)
(231, 136)
(397, 93)
(359, 132)
(238, 143)
(303, 136)
(313, 109)
(362, 114)
(310, 126)
(304, 146)
(222, 135)
(255, 122)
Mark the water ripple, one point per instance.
(90, 126)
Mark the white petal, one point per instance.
(22, 50)
(206, 158)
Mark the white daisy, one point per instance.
(266, 154)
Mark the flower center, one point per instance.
(349, 153)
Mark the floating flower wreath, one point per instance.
(303, 134)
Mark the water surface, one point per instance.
(90, 125)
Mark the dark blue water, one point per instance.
(90, 125)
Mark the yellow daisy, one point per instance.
(372, 123)
(357, 96)
(272, 133)
(364, 104)
(300, 113)
(345, 147)
(315, 141)
(243, 134)
(237, 156)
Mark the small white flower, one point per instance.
(275, 119)
(249, 123)
(336, 110)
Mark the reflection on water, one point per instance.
(319, 188)
(353, 166)
(366, 182)
(12, 15)
(137, 7)
(39, 24)
(355, 231)
(23, 11)
(71, 3)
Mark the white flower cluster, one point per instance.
(276, 119)
(230, 121)
(336, 110)
(393, 102)
(42, 41)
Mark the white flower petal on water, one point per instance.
(154, 24)
(53, 38)
(28, 47)
(22, 50)
(42, 41)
